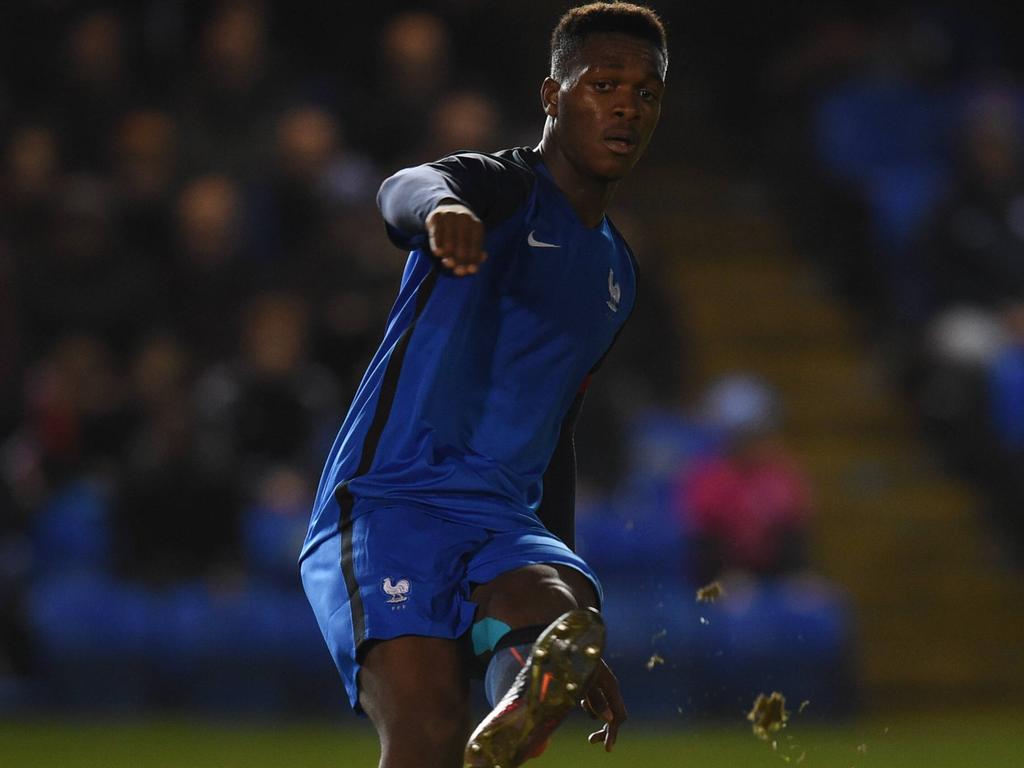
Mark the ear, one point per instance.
(549, 96)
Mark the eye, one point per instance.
(648, 95)
(603, 86)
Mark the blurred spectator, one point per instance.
(1006, 383)
(96, 88)
(28, 184)
(973, 249)
(9, 343)
(974, 244)
(747, 509)
(315, 177)
(269, 407)
(1002, 455)
(210, 278)
(27, 187)
(313, 216)
(229, 105)
(462, 120)
(81, 278)
(15, 561)
(354, 309)
(74, 420)
(876, 153)
(274, 524)
(416, 56)
(144, 171)
(176, 517)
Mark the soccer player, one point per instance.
(442, 530)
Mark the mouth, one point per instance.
(621, 142)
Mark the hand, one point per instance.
(456, 238)
(604, 702)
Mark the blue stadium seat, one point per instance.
(901, 197)
(635, 536)
(662, 441)
(655, 640)
(212, 647)
(1006, 385)
(72, 530)
(787, 636)
(272, 541)
(255, 649)
(93, 639)
(866, 126)
(713, 659)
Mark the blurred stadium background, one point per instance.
(819, 402)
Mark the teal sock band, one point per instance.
(487, 633)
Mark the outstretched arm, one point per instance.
(428, 201)
(448, 205)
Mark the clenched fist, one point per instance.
(456, 238)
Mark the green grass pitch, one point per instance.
(973, 741)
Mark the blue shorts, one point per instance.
(394, 571)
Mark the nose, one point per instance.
(628, 108)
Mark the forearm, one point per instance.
(490, 187)
(407, 198)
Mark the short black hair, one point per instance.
(630, 19)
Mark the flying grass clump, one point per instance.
(711, 592)
(769, 715)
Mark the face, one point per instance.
(605, 112)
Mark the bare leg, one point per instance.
(533, 595)
(416, 692)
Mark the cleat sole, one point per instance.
(560, 665)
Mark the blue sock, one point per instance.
(510, 654)
(502, 670)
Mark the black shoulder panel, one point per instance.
(492, 185)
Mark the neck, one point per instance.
(589, 197)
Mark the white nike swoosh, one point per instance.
(531, 240)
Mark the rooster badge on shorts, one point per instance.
(397, 591)
(614, 292)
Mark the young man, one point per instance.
(441, 534)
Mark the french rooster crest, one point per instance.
(396, 592)
(614, 292)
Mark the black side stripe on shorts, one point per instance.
(388, 388)
(348, 570)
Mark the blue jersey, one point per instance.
(461, 408)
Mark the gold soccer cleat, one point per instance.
(554, 678)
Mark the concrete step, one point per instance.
(931, 665)
(876, 541)
(860, 461)
(726, 236)
(738, 317)
(979, 590)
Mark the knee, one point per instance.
(439, 725)
(428, 699)
(535, 594)
(423, 727)
(550, 589)
(416, 692)
(582, 588)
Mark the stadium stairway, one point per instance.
(940, 615)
